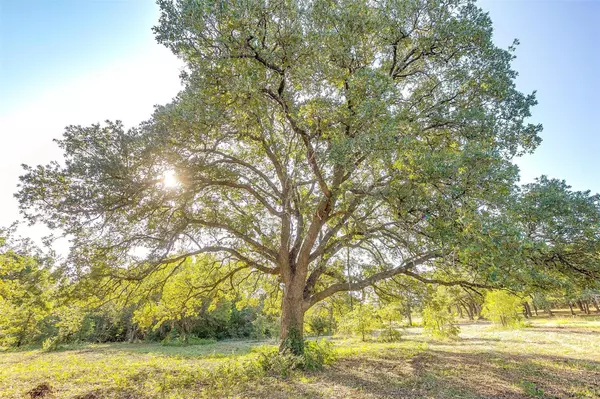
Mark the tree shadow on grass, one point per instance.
(468, 341)
(398, 373)
(477, 341)
(467, 375)
(442, 374)
(565, 330)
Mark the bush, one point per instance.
(502, 308)
(265, 326)
(362, 320)
(390, 335)
(318, 354)
(319, 325)
(272, 362)
(438, 320)
(51, 344)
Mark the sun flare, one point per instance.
(170, 179)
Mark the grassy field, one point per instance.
(553, 358)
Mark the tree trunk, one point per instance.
(468, 309)
(331, 320)
(586, 304)
(580, 304)
(292, 319)
(535, 309)
(596, 304)
(130, 335)
(571, 307)
(24, 329)
(409, 314)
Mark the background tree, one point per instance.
(502, 308)
(177, 294)
(560, 228)
(321, 318)
(305, 128)
(439, 319)
(27, 289)
(408, 293)
(362, 320)
(390, 316)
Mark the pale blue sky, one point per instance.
(83, 61)
(559, 56)
(46, 43)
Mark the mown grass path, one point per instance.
(554, 358)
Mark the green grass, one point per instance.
(553, 358)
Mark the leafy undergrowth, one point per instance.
(554, 358)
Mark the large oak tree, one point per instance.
(327, 145)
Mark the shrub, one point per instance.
(438, 319)
(361, 320)
(319, 325)
(318, 354)
(531, 389)
(272, 362)
(390, 335)
(502, 308)
(51, 344)
(265, 326)
(390, 316)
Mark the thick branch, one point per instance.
(357, 285)
(462, 283)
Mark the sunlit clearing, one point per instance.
(170, 179)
